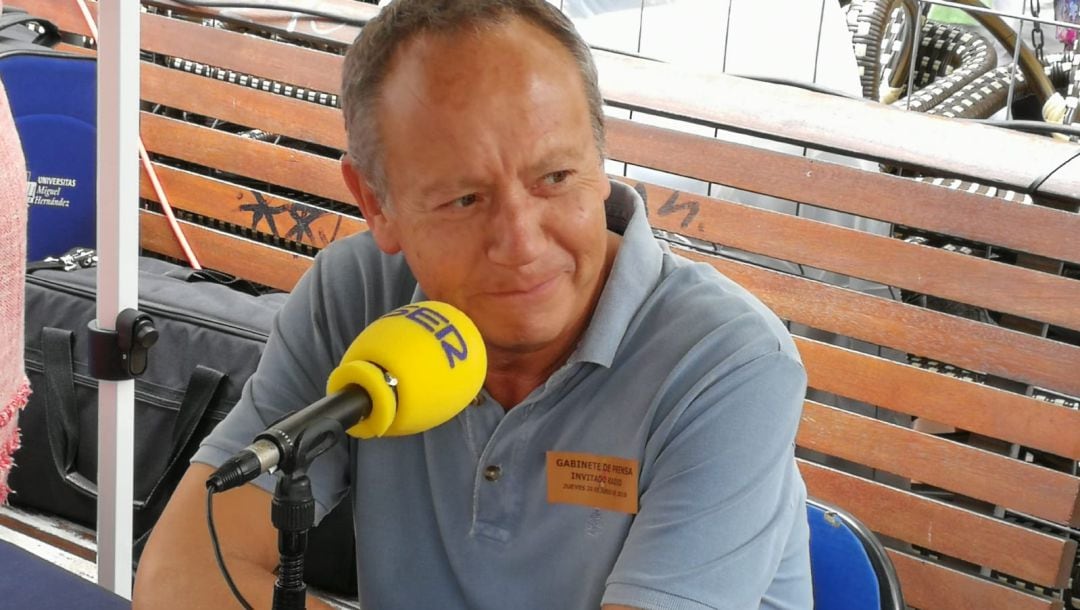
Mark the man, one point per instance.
(633, 444)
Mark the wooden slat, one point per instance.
(243, 258)
(261, 57)
(246, 207)
(226, 49)
(892, 262)
(958, 341)
(1035, 229)
(874, 131)
(292, 24)
(52, 539)
(1024, 553)
(930, 586)
(966, 470)
(270, 112)
(278, 165)
(972, 406)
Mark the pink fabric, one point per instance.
(9, 435)
(14, 389)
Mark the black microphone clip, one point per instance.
(291, 443)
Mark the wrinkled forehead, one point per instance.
(509, 57)
(508, 97)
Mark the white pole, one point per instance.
(118, 250)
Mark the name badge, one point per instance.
(598, 481)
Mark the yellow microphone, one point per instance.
(408, 371)
(421, 364)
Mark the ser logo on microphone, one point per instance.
(453, 344)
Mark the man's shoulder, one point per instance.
(355, 263)
(696, 305)
(350, 284)
(360, 252)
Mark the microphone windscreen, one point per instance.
(435, 354)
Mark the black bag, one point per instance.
(20, 31)
(211, 337)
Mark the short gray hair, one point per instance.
(369, 58)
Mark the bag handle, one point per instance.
(202, 386)
(220, 278)
(62, 419)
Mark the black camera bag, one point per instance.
(211, 338)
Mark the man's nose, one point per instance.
(517, 234)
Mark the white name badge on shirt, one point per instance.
(598, 481)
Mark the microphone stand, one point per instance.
(293, 511)
(293, 514)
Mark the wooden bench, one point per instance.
(241, 122)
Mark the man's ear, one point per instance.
(380, 223)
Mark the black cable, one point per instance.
(217, 550)
(275, 7)
(1031, 126)
(1037, 183)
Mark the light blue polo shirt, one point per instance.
(681, 373)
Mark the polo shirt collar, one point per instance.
(632, 278)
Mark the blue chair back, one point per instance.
(849, 566)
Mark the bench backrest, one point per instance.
(241, 120)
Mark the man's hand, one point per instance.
(178, 570)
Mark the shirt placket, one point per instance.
(498, 477)
(498, 483)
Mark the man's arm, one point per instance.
(178, 570)
(718, 522)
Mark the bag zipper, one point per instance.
(153, 308)
(142, 395)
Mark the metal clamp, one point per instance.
(124, 353)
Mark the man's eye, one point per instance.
(464, 201)
(556, 177)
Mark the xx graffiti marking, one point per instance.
(260, 210)
(303, 217)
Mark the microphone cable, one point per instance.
(217, 550)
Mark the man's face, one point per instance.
(496, 186)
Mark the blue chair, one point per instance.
(849, 566)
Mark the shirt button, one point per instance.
(492, 473)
